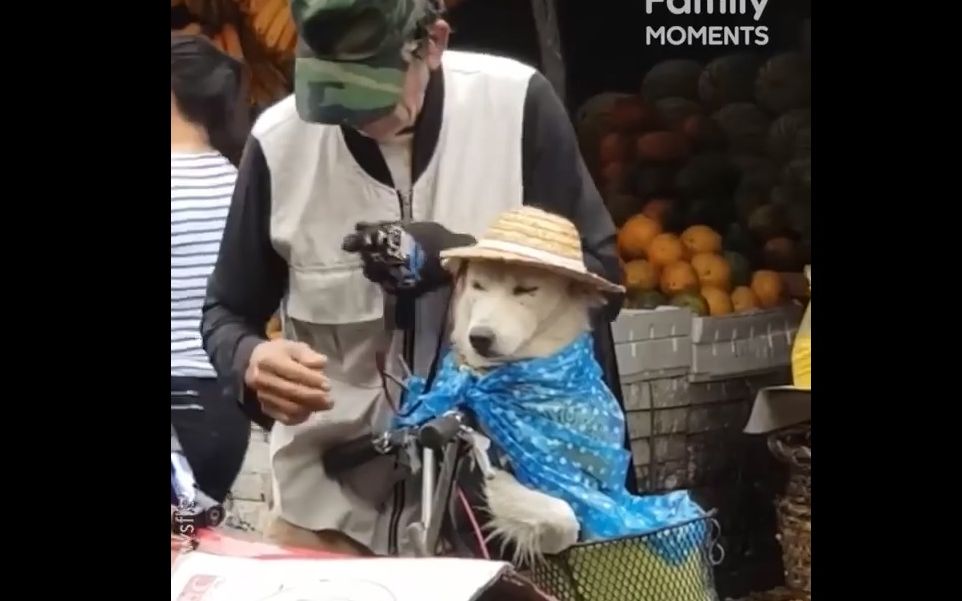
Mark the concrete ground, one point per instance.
(250, 496)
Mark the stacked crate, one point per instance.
(688, 383)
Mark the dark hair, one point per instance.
(208, 87)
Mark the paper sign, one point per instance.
(200, 576)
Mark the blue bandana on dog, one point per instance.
(563, 433)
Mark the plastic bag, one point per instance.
(802, 347)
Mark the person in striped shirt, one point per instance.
(206, 136)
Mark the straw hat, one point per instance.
(530, 236)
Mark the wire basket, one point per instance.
(671, 564)
(794, 508)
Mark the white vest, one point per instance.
(318, 193)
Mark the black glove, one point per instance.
(404, 257)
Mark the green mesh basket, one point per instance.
(672, 564)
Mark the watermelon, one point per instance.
(751, 194)
(649, 181)
(782, 196)
(675, 77)
(707, 174)
(783, 133)
(647, 299)
(704, 133)
(803, 143)
(768, 221)
(738, 239)
(714, 211)
(674, 111)
(745, 126)
(756, 168)
(784, 83)
(729, 79)
(799, 217)
(741, 269)
(798, 173)
(691, 300)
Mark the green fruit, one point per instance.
(741, 269)
(737, 239)
(707, 175)
(751, 194)
(800, 219)
(693, 301)
(767, 222)
(674, 111)
(645, 299)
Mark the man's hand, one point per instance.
(288, 380)
(403, 257)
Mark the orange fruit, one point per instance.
(678, 277)
(719, 303)
(743, 299)
(635, 236)
(665, 249)
(656, 209)
(767, 286)
(713, 270)
(640, 275)
(701, 239)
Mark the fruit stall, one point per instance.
(703, 158)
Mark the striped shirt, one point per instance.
(201, 185)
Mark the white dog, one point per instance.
(505, 312)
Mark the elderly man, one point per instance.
(385, 126)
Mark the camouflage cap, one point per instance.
(351, 64)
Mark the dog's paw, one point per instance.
(535, 523)
(559, 529)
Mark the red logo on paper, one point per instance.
(198, 587)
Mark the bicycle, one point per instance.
(418, 447)
(670, 564)
(193, 509)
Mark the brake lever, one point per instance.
(479, 450)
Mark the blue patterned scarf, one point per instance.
(563, 433)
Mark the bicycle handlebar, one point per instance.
(350, 454)
(438, 432)
(434, 434)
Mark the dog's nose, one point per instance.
(481, 339)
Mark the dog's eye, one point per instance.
(519, 290)
(477, 285)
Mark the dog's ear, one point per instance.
(458, 282)
(591, 297)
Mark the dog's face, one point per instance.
(505, 312)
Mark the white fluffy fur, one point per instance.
(532, 313)
(533, 521)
